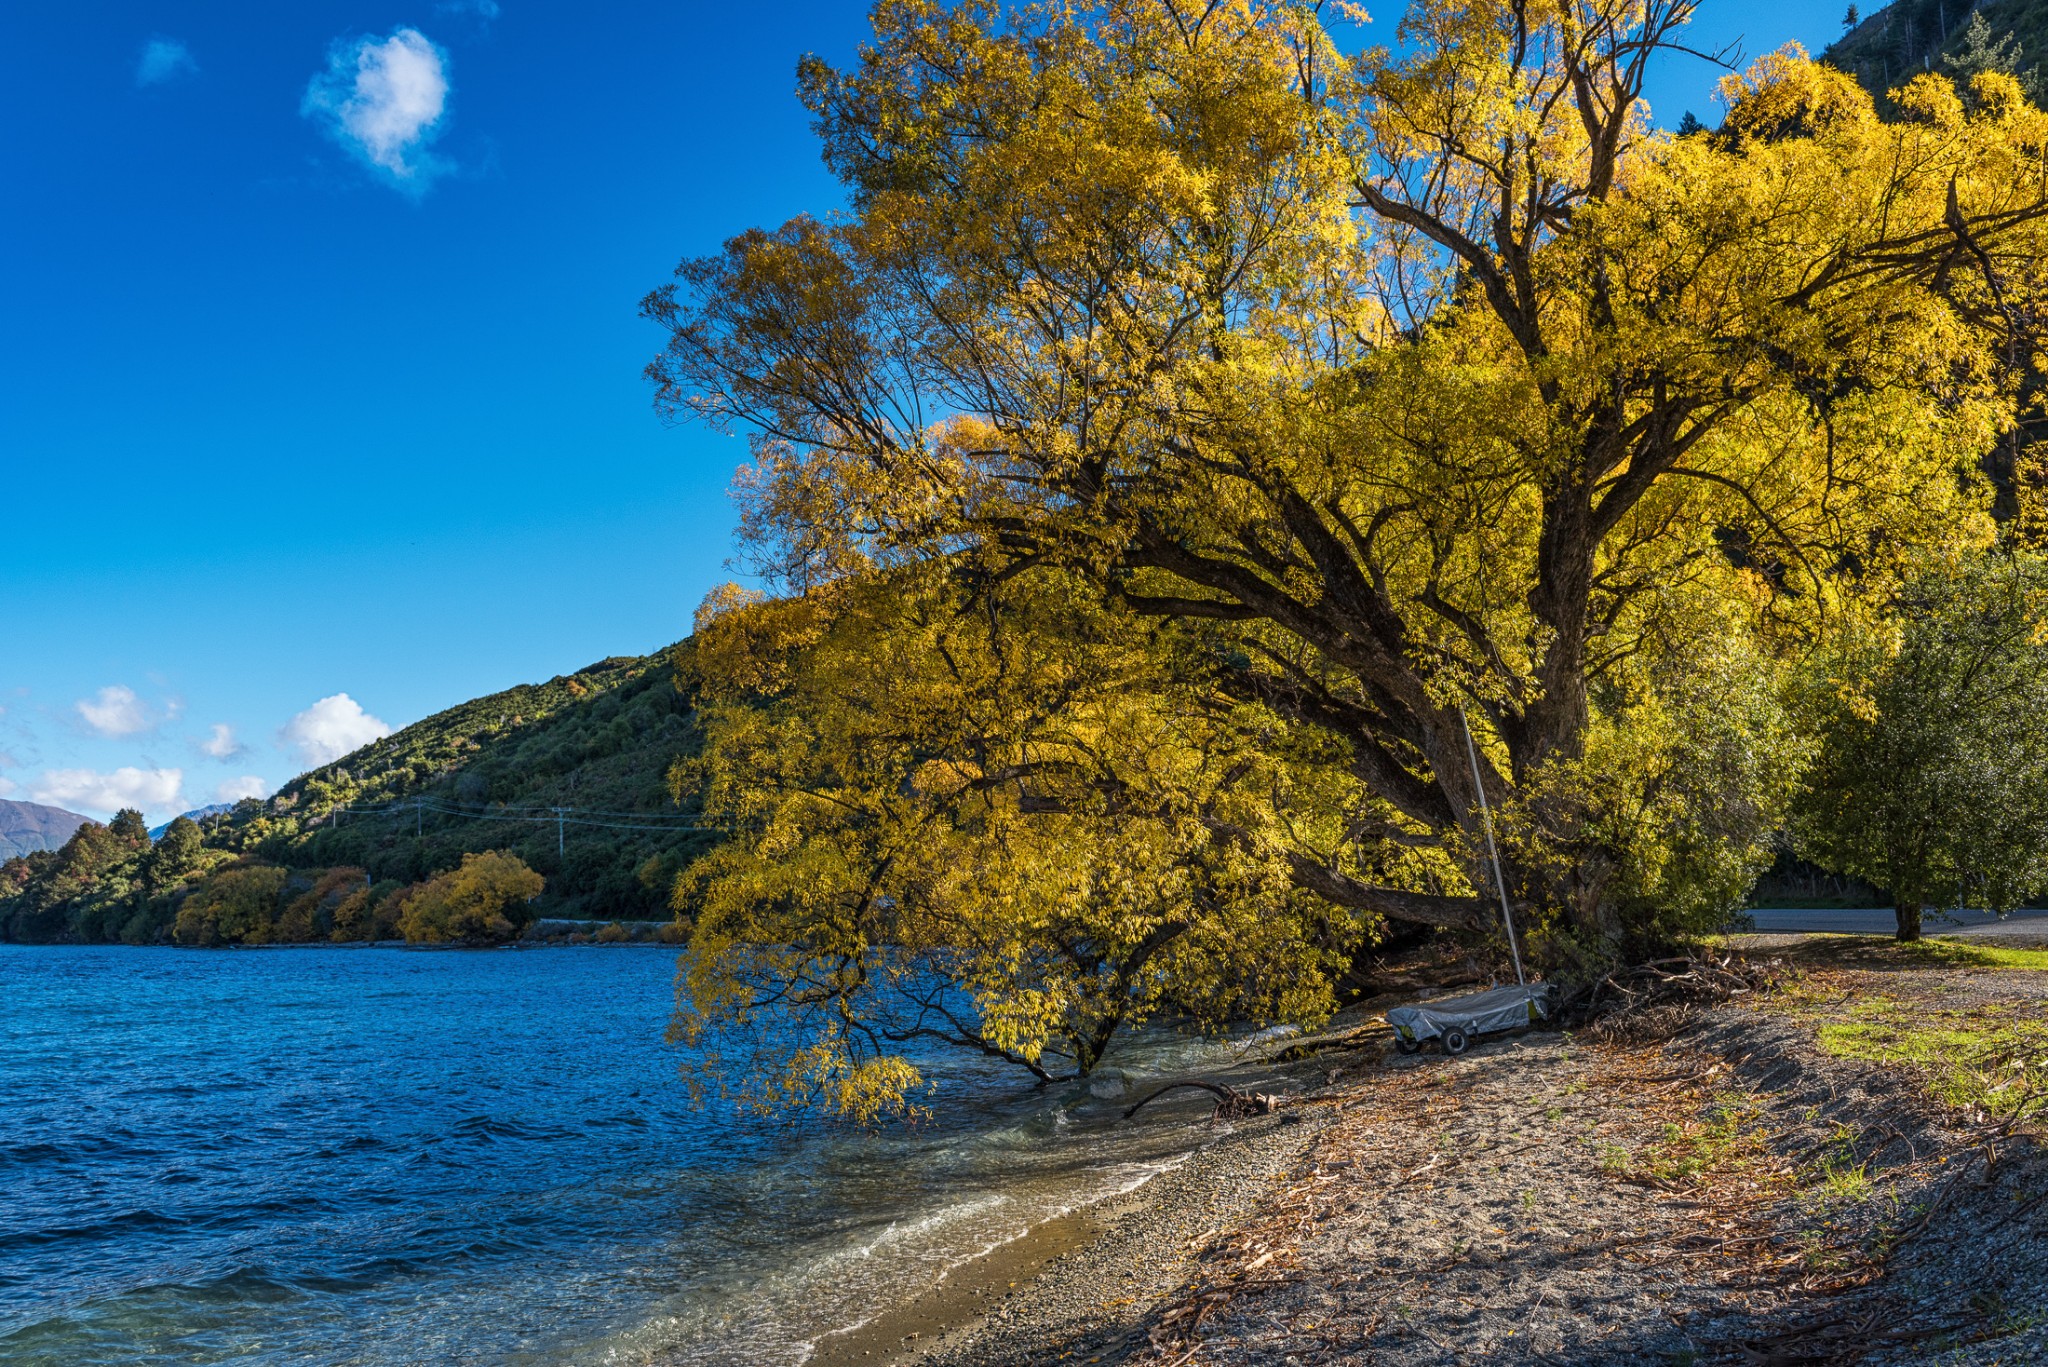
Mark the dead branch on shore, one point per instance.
(1231, 1104)
(1652, 1002)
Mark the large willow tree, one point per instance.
(1194, 420)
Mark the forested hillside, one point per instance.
(569, 776)
(1898, 41)
(488, 773)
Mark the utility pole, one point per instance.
(561, 841)
(419, 820)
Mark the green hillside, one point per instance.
(570, 775)
(487, 774)
(1903, 39)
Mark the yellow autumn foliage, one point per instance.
(1198, 416)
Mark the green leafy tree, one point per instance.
(129, 828)
(1931, 777)
(178, 853)
(234, 906)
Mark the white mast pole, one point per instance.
(1486, 818)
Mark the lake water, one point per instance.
(389, 1157)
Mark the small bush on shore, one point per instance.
(481, 901)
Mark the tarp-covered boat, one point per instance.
(1457, 1021)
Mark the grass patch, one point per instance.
(1946, 953)
(1881, 951)
(1840, 1178)
(1988, 1059)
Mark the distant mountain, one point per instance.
(26, 827)
(198, 814)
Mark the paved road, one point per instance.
(1877, 920)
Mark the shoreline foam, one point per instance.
(1078, 1268)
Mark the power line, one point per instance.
(680, 822)
(583, 815)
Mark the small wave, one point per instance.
(1125, 1179)
(79, 1150)
(244, 1285)
(264, 1213)
(355, 1143)
(900, 1230)
(113, 1227)
(488, 1129)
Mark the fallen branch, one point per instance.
(1231, 1104)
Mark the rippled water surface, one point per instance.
(377, 1156)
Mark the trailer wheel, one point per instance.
(1406, 1045)
(1455, 1042)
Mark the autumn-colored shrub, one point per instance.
(310, 915)
(481, 901)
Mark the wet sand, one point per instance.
(1081, 1285)
(962, 1300)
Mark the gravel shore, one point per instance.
(1695, 1185)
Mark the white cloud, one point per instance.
(146, 789)
(7, 785)
(164, 59)
(221, 743)
(116, 712)
(235, 789)
(383, 100)
(330, 729)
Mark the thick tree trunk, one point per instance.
(1909, 920)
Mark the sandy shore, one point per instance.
(962, 1300)
(1081, 1284)
(1701, 1185)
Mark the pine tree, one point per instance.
(128, 826)
(1980, 54)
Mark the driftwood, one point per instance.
(1651, 1002)
(1231, 1104)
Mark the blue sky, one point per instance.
(320, 396)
